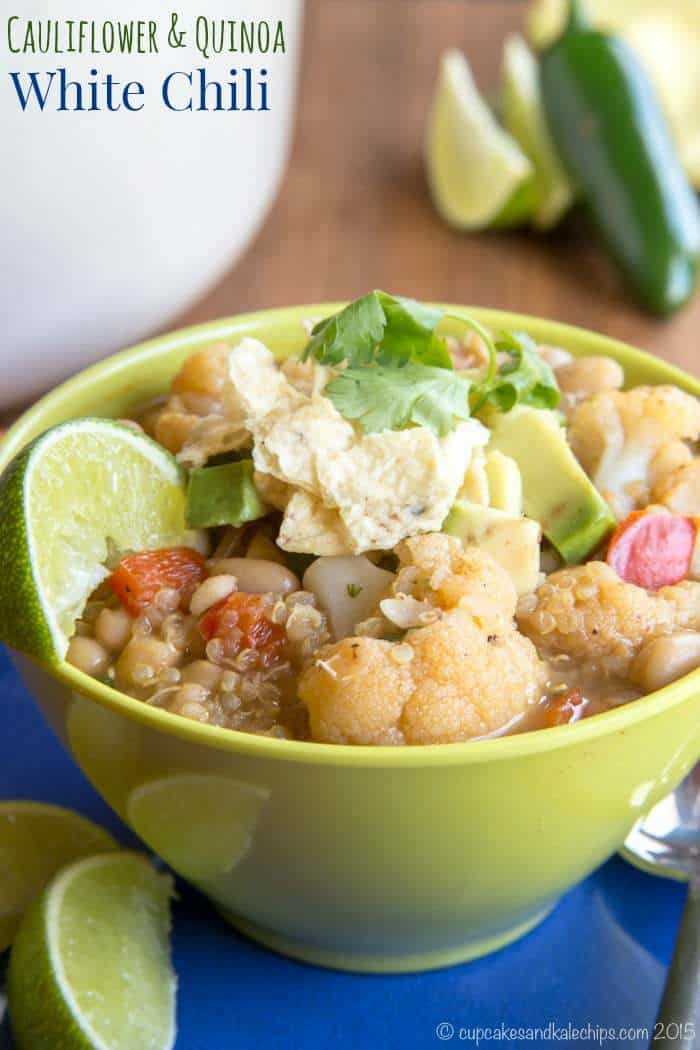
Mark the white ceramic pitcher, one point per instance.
(112, 222)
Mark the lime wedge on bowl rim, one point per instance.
(478, 175)
(77, 488)
(36, 840)
(90, 967)
(523, 116)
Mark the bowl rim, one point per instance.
(518, 746)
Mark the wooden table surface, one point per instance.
(354, 211)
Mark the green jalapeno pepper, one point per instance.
(613, 138)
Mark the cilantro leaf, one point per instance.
(383, 328)
(410, 333)
(351, 335)
(524, 378)
(390, 398)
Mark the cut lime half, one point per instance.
(90, 967)
(36, 840)
(478, 174)
(78, 489)
(524, 118)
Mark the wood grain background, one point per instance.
(354, 212)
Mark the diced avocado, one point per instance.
(556, 490)
(511, 541)
(224, 495)
(505, 483)
(475, 486)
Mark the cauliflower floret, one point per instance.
(446, 682)
(618, 435)
(192, 422)
(583, 377)
(438, 569)
(355, 692)
(590, 614)
(468, 682)
(684, 598)
(679, 489)
(467, 673)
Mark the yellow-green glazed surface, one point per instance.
(383, 859)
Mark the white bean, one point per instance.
(87, 655)
(256, 576)
(211, 591)
(113, 629)
(202, 672)
(145, 654)
(663, 660)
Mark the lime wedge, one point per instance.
(90, 966)
(523, 116)
(218, 813)
(78, 486)
(35, 841)
(478, 175)
(665, 34)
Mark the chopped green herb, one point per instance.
(351, 335)
(223, 495)
(396, 371)
(354, 589)
(383, 328)
(524, 378)
(383, 398)
(410, 333)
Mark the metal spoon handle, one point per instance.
(678, 1021)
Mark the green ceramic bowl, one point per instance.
(376, 859)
